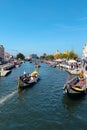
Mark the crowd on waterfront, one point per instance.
(62, 63)
(72, 66)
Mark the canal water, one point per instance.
(41, 107)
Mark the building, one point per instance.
(6, 56)
(32, 56)
(84, 52)
(1, 54)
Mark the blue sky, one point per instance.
(43, 26)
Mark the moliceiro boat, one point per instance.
(75, 87)
(27, 79)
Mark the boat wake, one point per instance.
(5, 98)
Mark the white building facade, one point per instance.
(1, 54)
(84, 52)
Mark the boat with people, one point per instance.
(28, 79)
(76, 87)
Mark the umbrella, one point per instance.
(72, 61)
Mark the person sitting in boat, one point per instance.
(25, 75)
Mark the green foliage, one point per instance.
(72, 55)
(57, 56)
(20, 56)
(66, 55)
(49, 57)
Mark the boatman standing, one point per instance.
(24, 72)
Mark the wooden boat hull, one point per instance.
(76, 94)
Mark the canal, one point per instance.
(44, 106)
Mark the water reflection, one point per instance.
(69, 103)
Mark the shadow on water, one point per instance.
(23, 91)
(71, 103)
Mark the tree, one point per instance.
(43, 56)
(72, 55)
(58, 56)
(20, 56)
(49, 57)
(65, 56)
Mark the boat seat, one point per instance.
(74, 81)
(80, 84)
